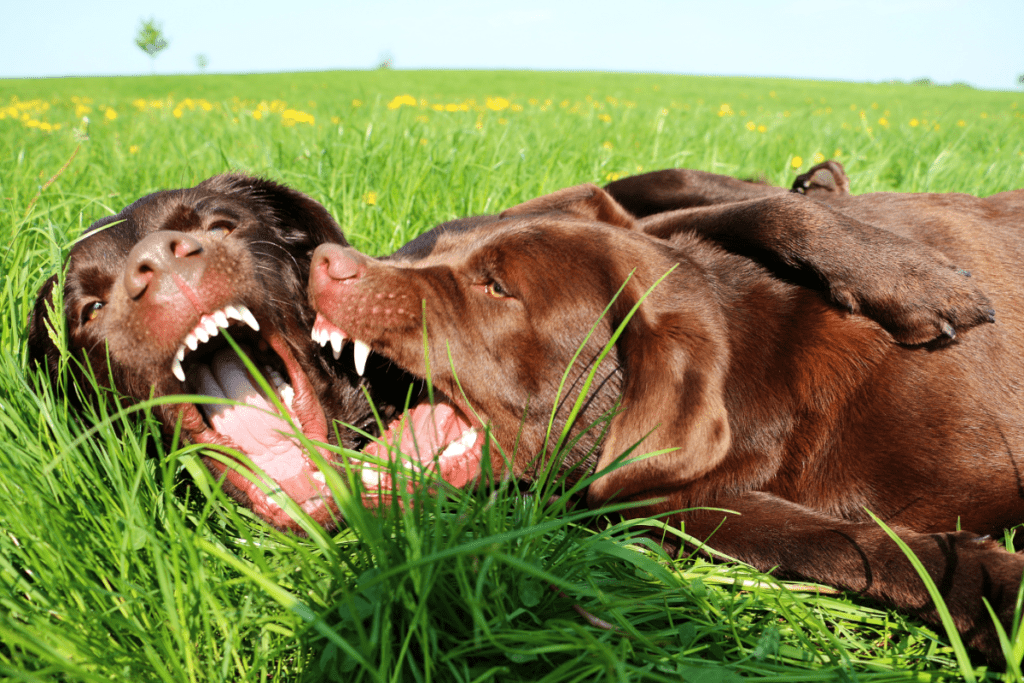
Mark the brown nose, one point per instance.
(340, 263)
(159, 254)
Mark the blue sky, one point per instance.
(976, 41)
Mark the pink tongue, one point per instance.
(255, 428)
(421, 432)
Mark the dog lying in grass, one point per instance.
(149, 291)
(767, 419)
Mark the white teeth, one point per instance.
(191, 342)
(360, 352)
(337, 339)
(287, 395)
(248, 318)
(232, 312)
(177, 371)
(201, 333)
(463, 444)
(371, 477)
(220, 318)
(181, 353)
(210, 325)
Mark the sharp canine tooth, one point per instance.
(191, 342)
(248, 318)
(336, 342)
(360, 352)
(181, 353)
(287, 394)
(177, 371)
(232, 312)
(221, 318)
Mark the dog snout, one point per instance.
(159, 253)
(340, 263)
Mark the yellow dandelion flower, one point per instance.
(134, 149)
(437, 107)
(81, 110)
(177, 112)
(796, 162)
(914, 123)
(290, 117)
(423, 141)
(818, 157)
(516, 107)
(883, 122)
(370, 198)
(605, 117)
(407, 100)
(357, 103)
(479, 124)
(606, 144)
(258, 114)
(497, 103)
(724, 110)
(984, 115)
(837, 153)
(762, 129)
(751, 126)
(205, 106)
(613, 176)
(961, 123)
(110, 114)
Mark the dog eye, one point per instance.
(221, 228)
(496, 290)
(91, 311)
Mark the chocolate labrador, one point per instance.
(762, 417)
(149, 290)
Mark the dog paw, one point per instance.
(923, 304)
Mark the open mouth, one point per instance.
(436, 435)
(252, 423)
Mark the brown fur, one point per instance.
(750, 393)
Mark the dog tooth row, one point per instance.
(371, 475)
(336, 338)
(210, 326)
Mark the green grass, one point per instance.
(114, 565)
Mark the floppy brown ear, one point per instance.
(42, 350)
(674, 357)
(586, 201)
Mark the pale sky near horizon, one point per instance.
(974, 41)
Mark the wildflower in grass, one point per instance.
(984, 115)
(110, 114)
(796, 162)
(497, 103)
(516, 107)
(884, 122)
(724, 110)
(914, 123)
(838, 153)
(605, 117)
(613, 176)
(257, 114)
(370, 198)
(437, 107)
(762, 129)
(423, 141)
(606, 144)
(134, 149)
(290, 117)
(751, 126)
(451, 107)
(407, 100)
(818, 157)
(961, 123)
(357, 103)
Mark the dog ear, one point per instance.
(42, 350)
(290, 207)
(672, 423)
(828, 177)
(586, 201)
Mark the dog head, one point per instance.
(147, 298)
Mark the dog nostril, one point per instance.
(156, 254)
(341, 263)
(185, 247)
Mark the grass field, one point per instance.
(118, 563)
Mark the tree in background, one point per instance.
(1020, 79)
(202, 61)
(151, 40)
